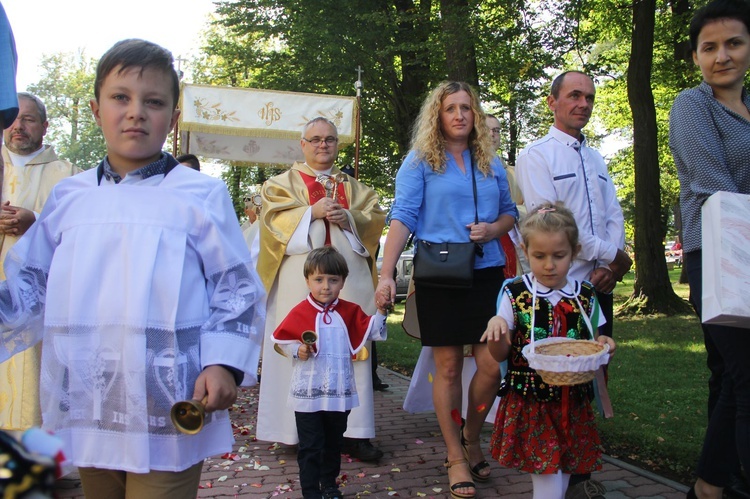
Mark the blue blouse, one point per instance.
(437, 207)
(8, 63)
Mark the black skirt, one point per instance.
(451, 317)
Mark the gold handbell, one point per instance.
(309, 337)
(188, 415)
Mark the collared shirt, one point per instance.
(559, 167)
(24, 159)
(158, 167)
(711, 148)
(570, 291)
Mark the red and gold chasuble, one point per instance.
(286, 199)
(511, 260)
(317, 191)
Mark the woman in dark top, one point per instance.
(710, 140)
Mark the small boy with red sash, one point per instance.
(323, 390)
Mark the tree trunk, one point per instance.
(235, 189)
(653, 291)
(413, 33)
(681, 13)
(513, 122)
(75, 116)
(460, 51)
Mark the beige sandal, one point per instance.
(460, 485)
(480, 466)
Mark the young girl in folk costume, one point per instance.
(548, 431)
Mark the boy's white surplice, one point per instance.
(325, 381)
(135, 289)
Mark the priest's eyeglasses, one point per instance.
(318, 141)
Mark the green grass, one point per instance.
(401, 351)
(657, 382)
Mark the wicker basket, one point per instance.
(565, 361)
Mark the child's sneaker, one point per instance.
(332, 493)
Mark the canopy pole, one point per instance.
(176, 132)
(357, 125)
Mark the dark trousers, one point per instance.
(693, 262)
(374, 360)
(727, 441)
(319, 456)
(607, 306)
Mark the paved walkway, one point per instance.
(412, 465)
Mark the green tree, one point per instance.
(633, 48)
(293, 50)
(66, 87)
(405, 47)
(652, 289)
(518, 44)
(461, 57)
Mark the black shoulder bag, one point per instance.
(447, 265)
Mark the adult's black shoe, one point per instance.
(737, 487)
(362, 449)
(379, 386)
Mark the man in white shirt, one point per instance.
(31, 170)
(562, 167)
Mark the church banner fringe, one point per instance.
(254, 125)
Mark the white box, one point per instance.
(726, 259)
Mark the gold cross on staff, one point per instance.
(257, 202)
(331, 182)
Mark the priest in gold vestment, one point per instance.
(312, 205)
(30, 171)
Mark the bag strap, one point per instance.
(474, 187)
(584, 315)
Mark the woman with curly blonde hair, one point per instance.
(435, 201)
(429, 140)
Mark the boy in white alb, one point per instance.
(322, 390)
(138, 279)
